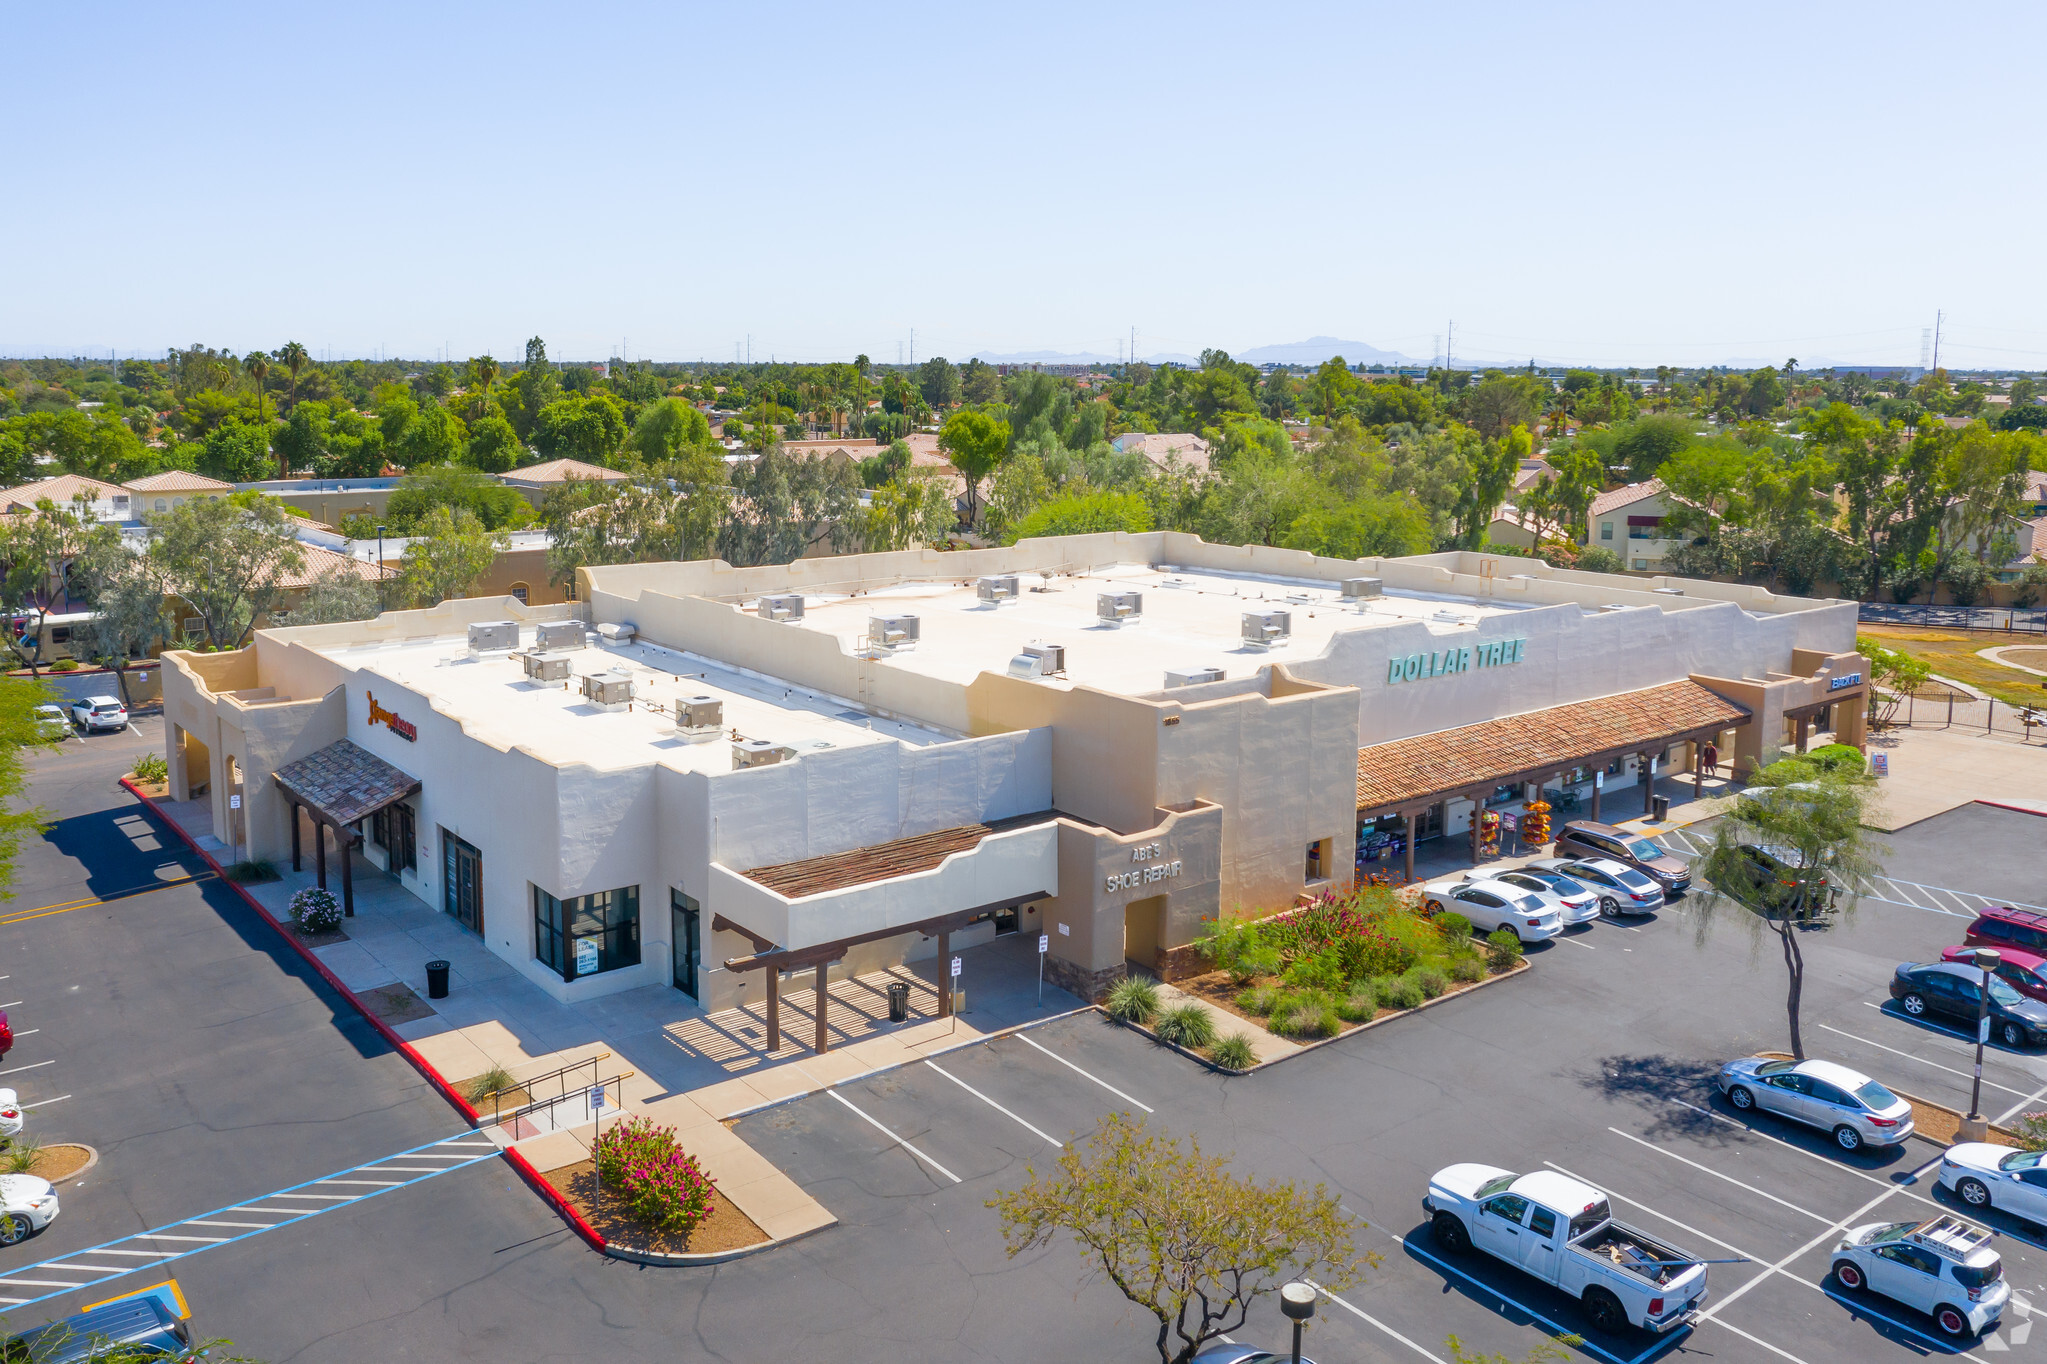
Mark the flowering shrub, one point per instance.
(316, 910)
(662, 1188)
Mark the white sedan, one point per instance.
(52, 723)
(27, 1205)
(10, 1113)
(1574, 903)
(1492, 905)
(1986, 1176)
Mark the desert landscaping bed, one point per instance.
(724, 1227)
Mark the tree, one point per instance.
(1019, 486)
(1645, 443)
(340, 593)
(1374, 526)
(939, 381)
(433, 436)
(126, 592)
(258, 366)
(486, 372)
(975, 444)
(493, 445)
(666, 427)
(1500, 402)
(1177, 1233)
(912, 510)
(228, 558)
(20, 729)
(455, 485)
(1893, 676)
(1086, 511)
(34, 547)
(979, 383)
(448, 552)
(1593, 559)
(783, 507)
(1812, 820)
(295, 358)
(235, 452)
(587, 427)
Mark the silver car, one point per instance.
(1856, 1109)
(1574, 903)
(1621, 890)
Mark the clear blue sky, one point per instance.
(1620, 184)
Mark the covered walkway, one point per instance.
(339, 786)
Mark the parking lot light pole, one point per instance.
(1297, 1300)
(1975, 1127)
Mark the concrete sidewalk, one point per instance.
(680, 1066)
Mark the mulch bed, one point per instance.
(322, 939)
(725, 1227)
(1216, 988)
(60, 1160)
(395, 1003)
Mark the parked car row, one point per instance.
(1953, 987)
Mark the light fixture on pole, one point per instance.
(1975, 1127)
(380, 567)
(1297, 1300)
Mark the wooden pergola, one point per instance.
(339, 786)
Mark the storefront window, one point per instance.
(587, 934)
(392, 828)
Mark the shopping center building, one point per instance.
(743, 781)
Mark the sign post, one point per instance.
(954, 1015)
(596, 1165)
(1044, 946)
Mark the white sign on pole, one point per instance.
(1044, 942)
(234, 802)
(597, 1098)
(1982, 1028)
(955, 967)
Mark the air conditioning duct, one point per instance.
(1119, 608)
(1039, 660)
(1189, 677)
(562, 634)
(698, 718)
(892, 634)
(493, 637)
(611, 689)
(782, 606)
(1267, 629)
(545, 667)
(1361, 590)
(759, 753)
(621, 632)
(996, 589)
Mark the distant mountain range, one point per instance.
(1313, 351)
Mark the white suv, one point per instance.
(1944, 1267)
(99, 712)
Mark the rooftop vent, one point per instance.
(1299, 599)
(892, 634)
(759, 753)
(1358, 589)
(1178, 583)
(545, 667)
(1039, 660)
(996, 589)
(783, 606)
(1612, 606)
(562, 634)
(611, 689)
(1267, 628)
(493, 636)
(1449, 617)
(620, 632)
(1668, 591)
(1119, 608)
(1189, 677)
(699, 718)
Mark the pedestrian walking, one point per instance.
(1709, 758)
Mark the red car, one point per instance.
(2025, 972)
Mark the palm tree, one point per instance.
(258, 366)
(487, 371)
(295, 358)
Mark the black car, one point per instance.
(1953, 990)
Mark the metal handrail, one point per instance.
(496, 1096)
(536, 1105)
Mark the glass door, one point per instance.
(685, 941)
(462, 882)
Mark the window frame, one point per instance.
(611, 918)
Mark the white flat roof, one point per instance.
(494, 701)
(1192, 618)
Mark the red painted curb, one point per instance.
(554, 1196)
(2018, 809)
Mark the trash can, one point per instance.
(437, 980)
(1661, 806)
(898, 1002)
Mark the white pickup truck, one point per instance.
(1563, 1232)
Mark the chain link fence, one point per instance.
(1963, 715)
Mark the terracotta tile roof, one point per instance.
(561, 471)
(1492, 752)
(179, 481)
(345, 781)
(900, 857)
(320, 561)
(1625, 497)
(59, 490)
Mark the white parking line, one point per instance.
(1366, 1316)
(1730, 1326)
(1828, 1161)
(1575, 943)
(1703, 1169)
(43, 1283)
(1945, 1345)
(1042, 1135)
(2020, 1107)
(160, 1236)
(41, 1102)
(30, 1066)
(1943, 1029)
(896, 1139)
(1618, 1198)
(196, 1222)
(1991, 1084)
(1025, 1037)
(323, 1197)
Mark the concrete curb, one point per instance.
(92, 1158)
(661, 1260)
(419, 1063)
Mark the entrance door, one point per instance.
(684, 941)
(462, 882)
(1141, 919)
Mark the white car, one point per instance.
(99, 712)
(10, 1113)
(27, 1205)
(1574, 903)
(1944, 1267)
(52, 723)
(1492, 905)
(1621, 890)
(1986, 1176)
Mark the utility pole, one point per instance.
(1937, 318)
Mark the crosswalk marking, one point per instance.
(149, 1249)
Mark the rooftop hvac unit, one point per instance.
(1039, 660)
(1188, 677)
(1119, 608)
(1361, 589)
(759, 753)
(699, 717)
(610, 689)
(545, 667)
(493, 636)
(784, 606)
(617, 632)
(996, 589)
(1299, 599)
(892, 634)
(1268, 628)
(562, 634)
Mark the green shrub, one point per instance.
(1258, 1000)
(64, 665)
(1224, 942)
(1134, 1000)
(1838, 760)
(1467, 966)
(492, 1081)
(1308, 1015)
(2031, 1130)
(1234, 1052)
(1502, 950)
(20, 1157)
(661, 1186)
(1322, 971)
(1360, 1005)
(316, 910)
(152, 768)
(251, 870)
(1430, 981)
(1187, 1024)
(1253, 963)
(1397, 992)
(1453, 926)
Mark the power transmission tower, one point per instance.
(1937, 318)
(1450, 345)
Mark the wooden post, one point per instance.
(1410, 845)
(944, 974)
(1647, 762)
(822, 967)
(345, 840)
(1698, 772)
(1477, 810)
(774, 1010)
(320, 852)
(1804, 733)
(294, 835)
